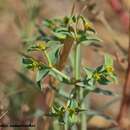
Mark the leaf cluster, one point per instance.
(50, 46)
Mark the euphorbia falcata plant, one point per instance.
(51, 39)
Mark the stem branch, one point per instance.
(77, 61)
(77, 64)
(60, 73)
(54, 69)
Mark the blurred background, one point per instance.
(19, 98)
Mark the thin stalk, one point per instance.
(66, 121)
(83, 115)
(77, 64)
(60, 73)
(77, 61)
(56, 125)
(74, 127)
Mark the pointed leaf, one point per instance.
(42, 73)
(103, 91)
(108, 61)
(59, 35)
(89, 71)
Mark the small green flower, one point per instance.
(109, 69)
(31, 63)
(41, 45)
(97, 76)
(88, 26)
(71, 110)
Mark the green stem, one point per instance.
(74, 127)
(77, 61)
(60, 73)
(56, 125)
(83, 115)
(77, 65)
(66, 121)
(48, 59)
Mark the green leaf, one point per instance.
(30, 63)
(56, 108)
(74, 19)
(113, 78)
(73, 118)
(104, 80)
(27, 61)
(108, 61)
(72, 104)
(59, 35)
(103, 91)
(53, 43)
(90, 87)
(89, 71)
(88, 40)
(61, 29)
(54, 55)
(66, 20)
(58, 112)
(87, 84)
(100, 68)
(58, 77)
(39, 85)
(54, 51)
(48, 23)
(33, 48)
(41, 73)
